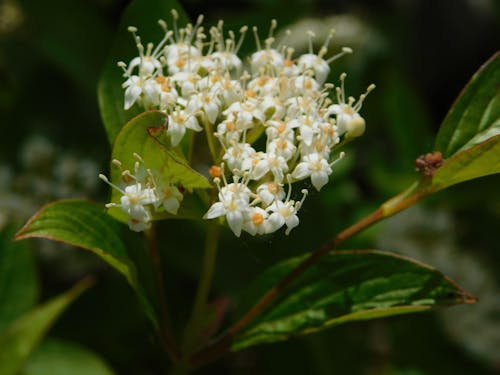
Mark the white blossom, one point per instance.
(315, 166)
(178, 122)
(270, 120)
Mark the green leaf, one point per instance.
(345, 286)
(475, 115)
(143, 14)
(61, 357)
(477, 161)
(469, 138)
(86, 225)
(18, 279)
(22, 336)
(470, 135)
(142, 135)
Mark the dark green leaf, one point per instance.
(143, 14)
(475, 115)
(86, 225)
(18, 279)
(345, 286)
(22, 336)
(139, 136)
(60, 357)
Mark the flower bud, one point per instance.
(355, 127)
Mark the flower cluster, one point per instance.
(142, 192)
(199, 81)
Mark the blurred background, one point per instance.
(419, 54)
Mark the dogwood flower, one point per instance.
(315, 166)
(178, 122)
(269, 120)
(349, 120)
(233, 204)
(144, 192)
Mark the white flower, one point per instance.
(205, 102)
(308, 127)
(133, 202)
(316, 64)
(169, 197)
(267, 59)
(231, 91)
(194, 75)
(315, 166)
(263, 85)
(187, 82)
(276, 164)
(282, 129)
(227, 61)
(168, 95)
(179, 57)
(268, 192)
(301, 105)
(283, 213)
(135, 197)
(228, 130)
(282, 147)
(256, 221)
(306, 84)
(245, 112)
(272, 107)
(233, 203)
(133, 89)
(238, 156)
(139, 224)
(349, 121)
(179, 120)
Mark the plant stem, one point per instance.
(191, 147)
(204, 285)
(210, 140)
(210, 256)
(165, 330)
(394, 205)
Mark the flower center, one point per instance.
(257, 218)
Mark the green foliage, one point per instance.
(143, 14)
(345, 286)
(475, 115)
(62, 55)
(24, 334)
(470, 133)
(140, 136)
(18, 279)
(477, 161)
(86, 225)
(60, 357)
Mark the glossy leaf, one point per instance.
(469, 138)
(86, 225)
(18, 279)
(60, 357)
(477, 161)
(25, 333)
(143, 14)
(475, 115)
(345, 286)
(142, 135)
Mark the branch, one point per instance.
(400, 202)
